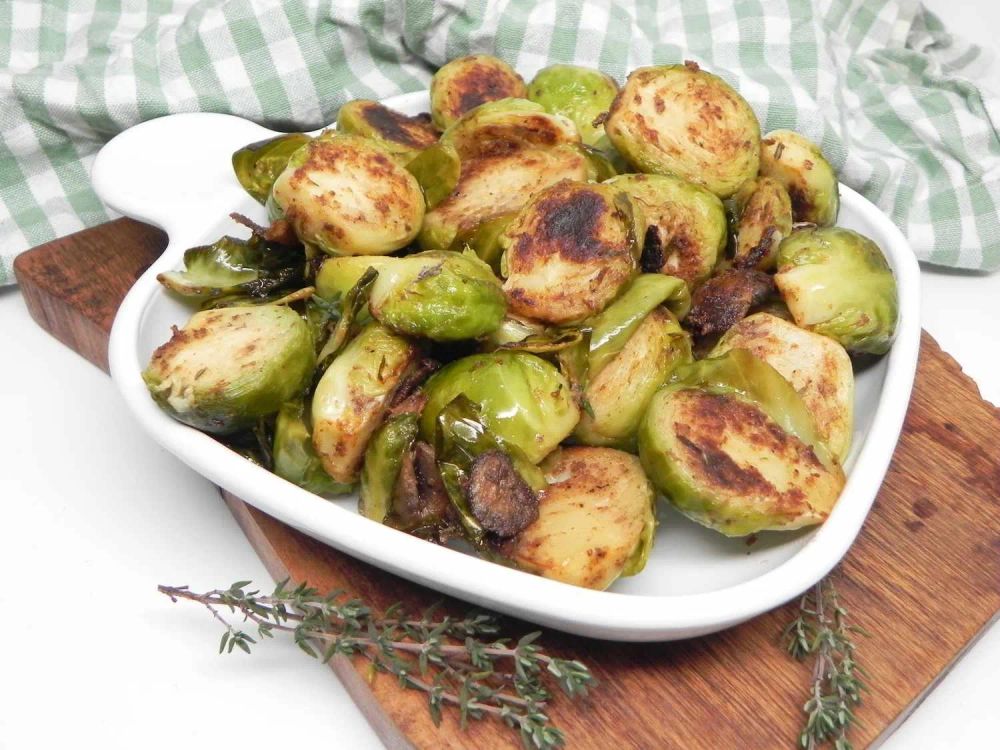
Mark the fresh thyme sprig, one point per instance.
(821, 630)
(442, 656)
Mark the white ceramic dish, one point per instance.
(175, 172)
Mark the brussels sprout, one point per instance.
(402, 136)
(353, 394)
(346, 196)
(569, 252)
(493, 186)
(727, 298)
(617, 396)
(383, 459)
(579, 93)
(816, 366)
(228, 367)
(512, 330)
(505, 126)
(799, 165)
(231, 266)
(258, 165)
(523, 400)
(440, 295)
(437, 169)
(733, 446)
(837, 282)
(596, 520)
(687, 225)
(764, 213)
(466, 82)
(294, 457)
(612, 328)
(681, 120)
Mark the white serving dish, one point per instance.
(175, 172)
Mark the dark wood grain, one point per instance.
(923, 577)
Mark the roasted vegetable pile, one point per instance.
(520, 318)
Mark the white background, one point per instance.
(93, 515)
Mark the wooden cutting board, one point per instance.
(923, 577)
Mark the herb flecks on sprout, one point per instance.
(821, 630)
(447, 658)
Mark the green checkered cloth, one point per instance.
(895, 101)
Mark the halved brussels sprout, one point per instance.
(799, 165)
(353, 394)
(816, 366)
(402, 136)
(681, 120)
(439, 295)
(726, 298)
(466, 82)
(497, 185)
(570, 251)
(596, 520)
(505, 126)
(764, 213)
(522, 399)
(838, 283)
(576, 92)
(616, 398)
(346, 196)
(383, 460)
(733, 446)
(687, 225)
(437, 169)
(294, 457)
(228, 367)
(258, 165)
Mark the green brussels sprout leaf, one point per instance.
(258, 165)
(484, 239)
(383, 459)
(437, 169)
(613, 327)
(294, 456)
(350, 312)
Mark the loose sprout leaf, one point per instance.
(548, 341)
(437, 169)
(612, 328)
(258, 165)
(383, 459)
(354, 303)
(294, 456)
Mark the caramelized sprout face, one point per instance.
(576, 92)
(732, 445)
(352, 397)
(570, 251)
(765, 219)
(816, 366)
(596, 520)
(506, 126)
(522, 399)
(799, 165)
(838, 283)
(228, 367)
(401, 135)
(681, 120)
(493, 186)
(346, 196)
(466, 82)
(687, 225)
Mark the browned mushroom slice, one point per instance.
(420, 499)
(724, 300)
(499, 498)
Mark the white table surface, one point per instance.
(93, 515)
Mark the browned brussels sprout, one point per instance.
(402, 136)
(464, 83)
